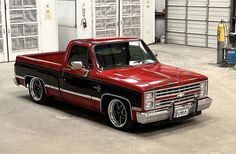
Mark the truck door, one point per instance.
(76, 88)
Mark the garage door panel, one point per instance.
(219, 3)
(176, 38)
(197, 13)
(197, 3)
(177, 12)
(176, 25)
(216, 14)
(212, 27)
(177, 2)
(212, 42)
(196, 21)
(196, 27)
(196, 40)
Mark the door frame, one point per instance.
(4, 54)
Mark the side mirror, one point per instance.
(76, 65)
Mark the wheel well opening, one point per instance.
(105, 102)
(107, 99)
(27, 80)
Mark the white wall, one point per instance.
(88, 6)
(66, 34)
(70, 17)
(48, 25)
(148, 21)
(67, 25)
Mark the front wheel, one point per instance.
(36, 91)
(119, 115)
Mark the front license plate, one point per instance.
(181, 113)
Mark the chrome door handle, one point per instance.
(3, 31)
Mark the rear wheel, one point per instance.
(36, 90)
(119, 115)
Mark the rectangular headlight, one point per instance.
(148, 96)
(204, 89)
(149, 100)
(149, 105)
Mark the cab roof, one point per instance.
(105, 40)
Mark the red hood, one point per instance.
(151, 76)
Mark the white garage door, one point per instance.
(194, 22)
(117, 18)
(130, 18)
(106, 17)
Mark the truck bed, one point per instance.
(51, 60)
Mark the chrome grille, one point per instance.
(165, 97)
(177, 101)
(177, 90)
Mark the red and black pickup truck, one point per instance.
(117, 76)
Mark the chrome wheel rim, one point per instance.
(36, 89)
(117, 113)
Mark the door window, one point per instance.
(80, 53)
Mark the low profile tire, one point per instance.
(119, 115)
(37, 91)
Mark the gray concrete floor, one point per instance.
(29, 128)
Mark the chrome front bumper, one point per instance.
(157, 115)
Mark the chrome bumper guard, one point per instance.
(159, 115)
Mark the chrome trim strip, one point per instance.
(76, 93)
(52, 87)
(96, 99)
(20, 77)
(81, 95)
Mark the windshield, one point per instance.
(122, 54)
